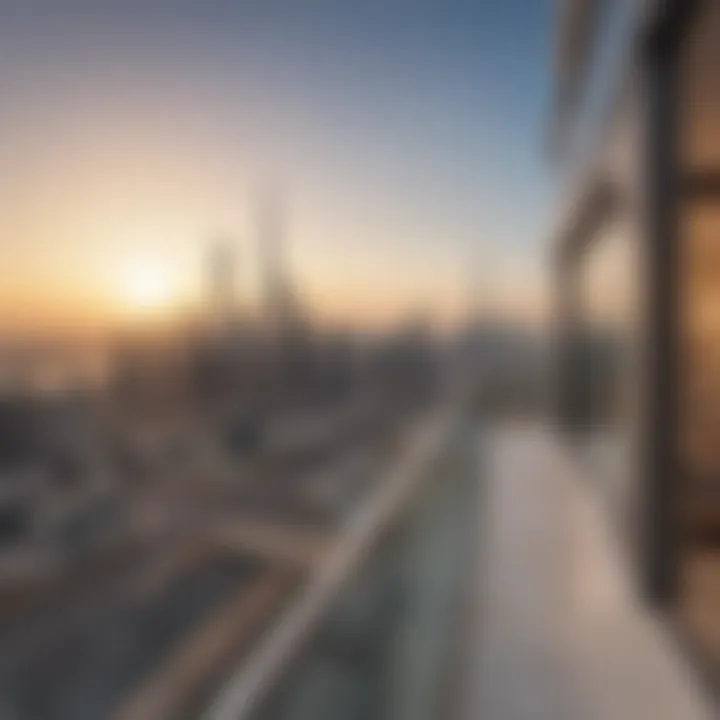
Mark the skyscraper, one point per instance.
(279, 298)
(222, 273)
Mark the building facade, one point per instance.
(635, 143)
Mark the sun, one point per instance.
(147, 285)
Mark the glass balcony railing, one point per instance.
(373, 634)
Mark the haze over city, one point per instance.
(135, 133)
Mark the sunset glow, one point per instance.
(146, 285)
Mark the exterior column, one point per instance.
(568, 391)
(660, 434)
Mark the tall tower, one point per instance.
(222, 272)
(285, 320)
(277, 292)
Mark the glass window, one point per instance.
(700, 338)
(609, 308)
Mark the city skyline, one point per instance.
(135, 134)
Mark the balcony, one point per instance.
(482, 581)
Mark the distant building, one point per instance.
(285, 321)
(222, 276)
(58, 489)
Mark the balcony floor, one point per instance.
(561, 634)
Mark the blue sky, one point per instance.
(405, 137)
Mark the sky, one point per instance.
(404, 139)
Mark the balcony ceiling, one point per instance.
(576, 26)
(700, 91)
